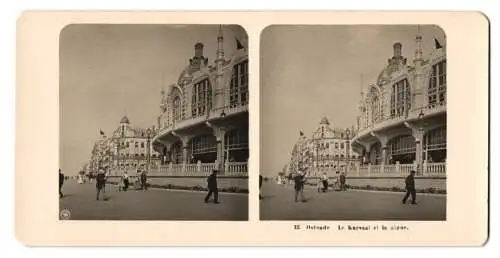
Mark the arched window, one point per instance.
(375, 107)
(400, 98)
(238, 89)
(176, 108)
(201, 98)
(436, 92)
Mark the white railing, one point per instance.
(405, 169)
(207, 168)
(236, 168)
(200, 169)
(437, 169)
(398, 170)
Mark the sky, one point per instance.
(109, 71)
(311, 72)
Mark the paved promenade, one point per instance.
(153, 204)
(278, 204)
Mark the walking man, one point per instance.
(61, 182)
(342, 182)
(107, 173)
(100, 183)
(144, 178)
(299, 186)
(410, 188)
(325, 182)
(212, 187)
(125, 181)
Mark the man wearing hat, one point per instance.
(212, 187)
(100, 183)
(410, 188)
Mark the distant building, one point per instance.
(327, 151)
(204, 115)
(128, 148)
(402, 116)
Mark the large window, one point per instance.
(435, 145)
(238, 90)
(201, 100)
(177, 108)
(376, 154)
(400, 98)
(375, 106)
(203, 144)
(177, 153)
(237, 139)
(437, 85)
(401, 148)
(375, 109)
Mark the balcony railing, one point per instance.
(238, 169)
(412, 114)
(188, 119)
(398, 170)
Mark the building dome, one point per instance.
(124, 120)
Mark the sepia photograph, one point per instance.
(353, 122)
(343, 139)
(153, 122)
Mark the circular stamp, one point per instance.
(64, 214)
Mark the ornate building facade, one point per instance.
(128, 148)
(204, 115)
(327, 151)
(402, 116)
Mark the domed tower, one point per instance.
(124, 123)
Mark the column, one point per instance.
(418, 148)
(219, 133)
(184, 153)
(220, 148)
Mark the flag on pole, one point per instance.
(101, 132)
(238, 44)
(301, 133)
(438, 45)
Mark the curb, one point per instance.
(389, 192)
(401, 193)
(190, 191)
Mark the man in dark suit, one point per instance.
(342, 182)
(100, 183)
(299, 186)
(212, 187)
(410, 188)
(61, 182)
(144, 180)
